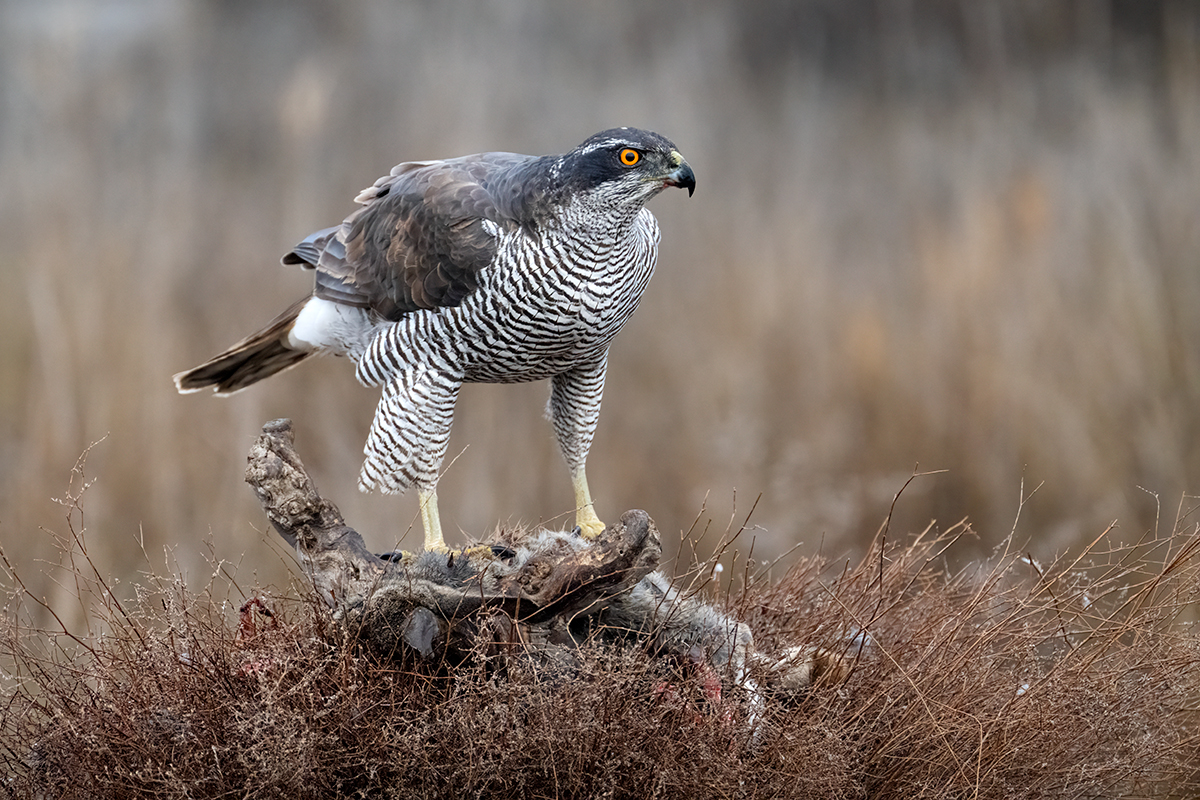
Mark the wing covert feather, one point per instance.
(420, 239)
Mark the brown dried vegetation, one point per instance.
(1005, 679)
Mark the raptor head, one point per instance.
(625, 165)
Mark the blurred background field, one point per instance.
(950, 233)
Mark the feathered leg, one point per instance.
(574, 409)
(408, 440)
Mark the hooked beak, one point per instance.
(682, 176)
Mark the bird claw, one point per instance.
(503, 552)
(478, 551)
(590, 528)
(475, 551)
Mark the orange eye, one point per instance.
(629, 156)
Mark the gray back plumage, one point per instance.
(423, 234)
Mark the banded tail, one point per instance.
(258, 356)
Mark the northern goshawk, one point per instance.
(494, 268)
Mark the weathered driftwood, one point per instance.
(533, 586)
(545, 590)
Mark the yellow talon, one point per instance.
(585, 513)
(430, 520)
(479, 552)
(590, 526)
(433, 531)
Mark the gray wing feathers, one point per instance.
(308, 253)
(419, 241)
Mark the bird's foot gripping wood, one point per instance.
(476, 552)
(590, 526)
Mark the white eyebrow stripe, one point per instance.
(607, 143)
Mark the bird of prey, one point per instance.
(494, 268)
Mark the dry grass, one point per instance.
(1076, 679)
